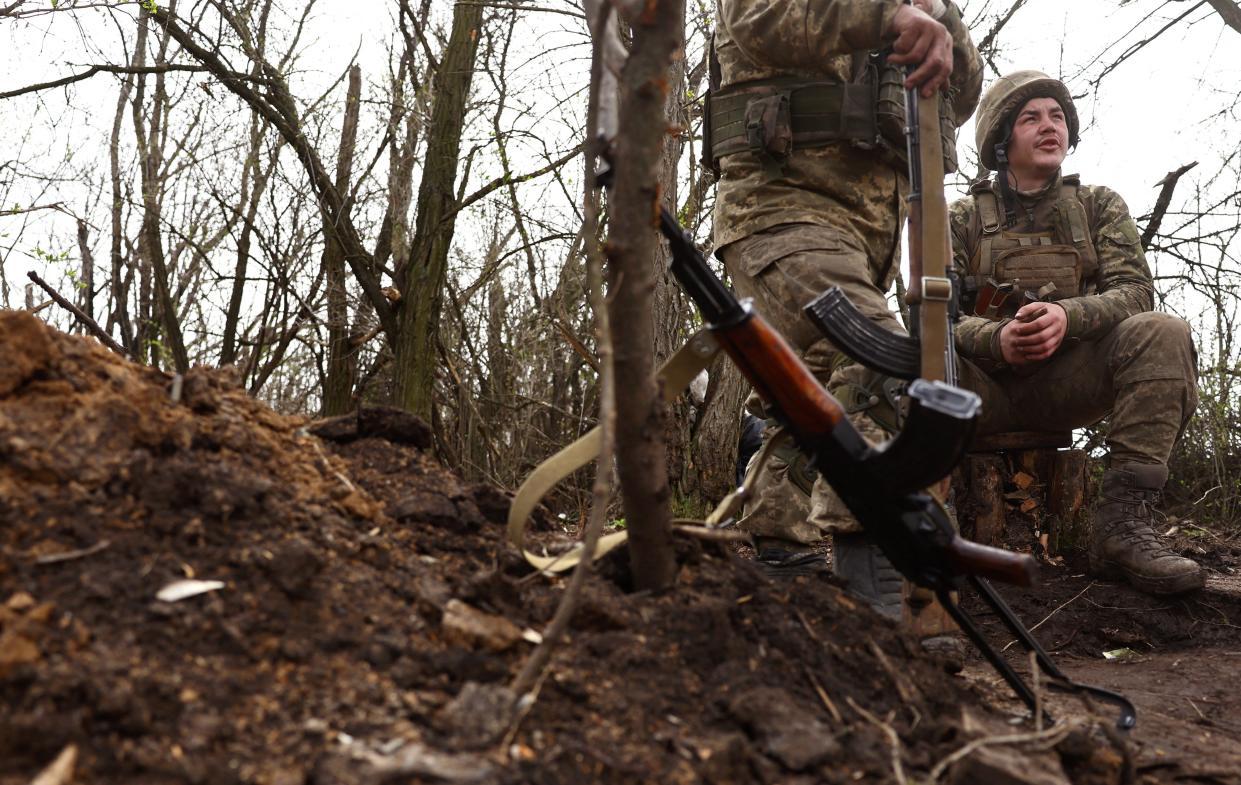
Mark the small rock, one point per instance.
(468, 626)
(293, 566)
(395, 425)
(16, 650)
(20, 601)
(433, 508)
(784, 730)
(1007, 766)
(480, 714)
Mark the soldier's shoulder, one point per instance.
(962, 209)
(1099, 195)
(1105, 205)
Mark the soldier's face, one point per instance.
(1039, 143)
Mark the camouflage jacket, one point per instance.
(857, 190)
(1119, 287)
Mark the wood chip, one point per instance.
(183, 590)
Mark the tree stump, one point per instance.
(1023, 490)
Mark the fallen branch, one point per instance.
(81, 315)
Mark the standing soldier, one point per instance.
(1062, 332)
(806, 127)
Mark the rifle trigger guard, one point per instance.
(936, 289)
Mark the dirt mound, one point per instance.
(361, 616)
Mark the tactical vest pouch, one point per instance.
(1050, 272)
(769, 128)
(890, 115)
(771, 118)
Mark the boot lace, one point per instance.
(1140, 509)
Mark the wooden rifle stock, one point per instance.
(997, 564)
(779, 376)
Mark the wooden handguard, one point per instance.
(779, 376)
(997, 564)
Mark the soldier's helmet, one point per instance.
(1008, 94)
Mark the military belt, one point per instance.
(818, 113)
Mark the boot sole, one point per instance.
(1171, 584)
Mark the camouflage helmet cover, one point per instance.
(1008, 94)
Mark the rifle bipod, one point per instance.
(1056, 681)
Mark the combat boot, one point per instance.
(869, 576)
(781, 558)
(1124, 544)
(867, 573)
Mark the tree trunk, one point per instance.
(641, 454)
(151, 158)
(717, 430)
(422, 283)
(338, 386)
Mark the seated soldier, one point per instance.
(1059, 330)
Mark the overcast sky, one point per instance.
(1153, 113)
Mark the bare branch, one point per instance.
(1161, 204)
(87, 322)
(110, 69)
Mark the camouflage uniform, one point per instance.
(1077, 246)
(831, 217)
(1118, 355)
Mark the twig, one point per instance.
(823, 696)
(81, 315)
(524, 704)
(712, 535)
(1200, 714)
(1049, 738)
(326, 464)
(805, 623)
(601, 490)
(1053, 613)
(903, 688)
(894, 740)
(56, 558)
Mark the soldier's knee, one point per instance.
(1158, 327)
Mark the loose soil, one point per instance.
(370, 618)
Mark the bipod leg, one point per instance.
(967, 625)
(1128, 714)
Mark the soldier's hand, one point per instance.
(1034, 335)
(922, 41)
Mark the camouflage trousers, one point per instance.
(1141, 375)
(781, 269)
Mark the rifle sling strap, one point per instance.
(675, 374)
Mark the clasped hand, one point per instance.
(1034, 335)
